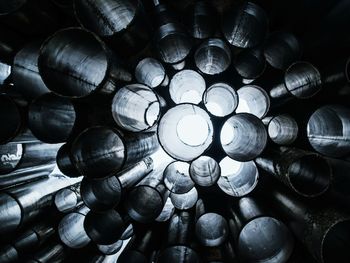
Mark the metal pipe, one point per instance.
(61, 115)
(24, 203)
(245, 26)
(213, 56)
(136, 108)
(282, 49)
(180, 118)
(26, 242)
(151, 72)
(322, 229)
(220, 99)
(187, 86)
(253, 99)
(283, 129)
(25, 73)
(73, 70)
(122, 23)
(99, 152)
(64, 161)
(68, 198)
(237, 178)
(184, 201)
(71, 229)
(243, 137)
(104, 194)
(128, 233)
(306, 173)
(250, 63)
(167, 212)
(177, 177)
(111, 249)
(205, 171)
(5, 71)
(328, 130)
(146, 200)
(51, 253)
(200, 19)
(105, 228)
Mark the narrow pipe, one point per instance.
(184, 201)
(71, 229)
(322, 229)
(205, 171)
(51, 253)
(99, 151)
(167, 212)
(177, 177)
(282, 49)
(51, 118)
(220, 99)
(283, 129)
(186, 145)
(105, 194)
(237, 178)
(213, 56)
(306, 173)
(68, 198)
(64, 161)
(65, 65)
(245, 26)
(24, 203)
(187, 86)
(151, 72)
(328, 130)
(250, 63)
(25, 72)
(122, 23)
(243, 137)
(111, 249)
(253, 99)
(136, 108)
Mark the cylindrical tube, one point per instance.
(205, 171)
(71, 229)
(282, 49)
(245, 26)
(111, 249)
(220, 99)
(177, 178)
(99, 151)
(250, 64)
(328, 130)
(106, 193)
(51, 118)
(306, 173)
(243, 137)
(254, 100)
(213, 56)
(151, 72)
(25, 72)
(185, 132)
(187, 86)
(237, 178)
(136, 108)
(65, 65)
(51, 253)
(68, 198)
(283, 129)
(64, 161)
(184, 201)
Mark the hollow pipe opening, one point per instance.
(250, 64)
(243, 137)
(253, 100)
(184, 201)
(220, 99)
(66, 200)
(283, 129)
(205, 171)
(237, 178)
(185, 132)
(187, 86)
(177, 177)
(151, 72)
(211, 229)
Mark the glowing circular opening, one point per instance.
(191, 96)
(229, 166)
(193, 130)
(226, 135)
(214, 108)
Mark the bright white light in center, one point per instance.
(193, 130)
(226, 135)
(214, 108)
(243, 106)
(229, 167)
(191, 96)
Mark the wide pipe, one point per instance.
(51, 118)
(245, 26)
(25, 203)
(213, 56)
(68, 198)
(151, 72)
(73, 70)
(328, 130)
(122, 23)
(253, 99)
(237, 178)
(306, 173)
(71, 229)
(250, 64)
(136, 108)
(99, 151)
(243, 137)
(177, 177)
(106, 193)
(283, 129)
(205, 171)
